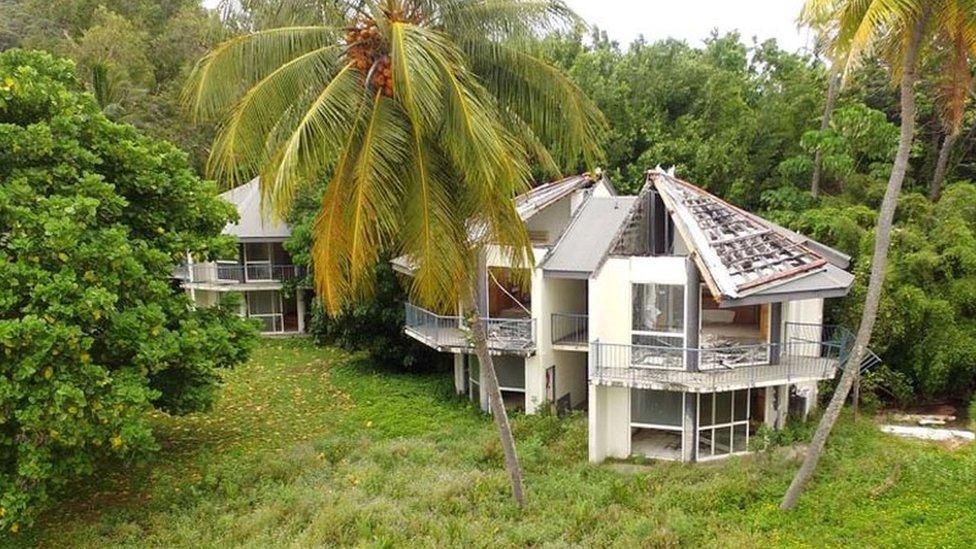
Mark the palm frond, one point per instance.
(376, 189)
(307, 148)
(558, 112)
(242, 145)
(417, 80)
(221, 77)
(433, 234)
(505, 19)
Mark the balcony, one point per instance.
(449, 333)
(808, 353)
(569, 331)
(235, 273)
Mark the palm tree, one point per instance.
(426, 115)
(897, 31)
(817, 18)
(958, 44)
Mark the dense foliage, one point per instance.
(735, 116)
(741, 120)
(374, 325)
(132, 54)
(93, 333)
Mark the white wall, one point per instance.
(609, 425)
(808, 311)
(610, 302)
(552, 219)
(611, 306)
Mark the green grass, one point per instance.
(313, 447)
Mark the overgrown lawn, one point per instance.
(311, 446)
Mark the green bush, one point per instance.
(972, 412)
(94, 333)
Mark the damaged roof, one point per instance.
(539, 198)
(252, 225)
(591, 232)
(527, 205)
(741, 254)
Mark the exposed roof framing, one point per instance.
(539, 198)
(739, 253)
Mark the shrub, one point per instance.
(972, 412)
(93, 331)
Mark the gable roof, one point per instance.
(742, 255)
(252, 224)
(539, 198)
(527, 205)
(585, 242)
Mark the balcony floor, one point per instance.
(804, 369)
(454, 340)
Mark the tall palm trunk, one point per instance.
(935, 189)
(879, 262)
(495, 403)
(833, 90)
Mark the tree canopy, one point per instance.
(93, 331)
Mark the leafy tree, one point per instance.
(93, 332)
(899, 30)
(427, 113)
(726, 114)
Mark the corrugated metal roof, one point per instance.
(252, 225)
(742, 254)
(589, 235)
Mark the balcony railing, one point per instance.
(235, 273)
(449, 332)
(808, 352)
(569, 329)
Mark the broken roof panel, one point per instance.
(742, 254)
(586, 241)
(253, 224)
(538, 198)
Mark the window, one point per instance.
(266, 306)
(656, 408)
(723, 424)
(658, 315)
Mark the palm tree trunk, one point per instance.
(879, 262)
(935, 189)
(495, 403)
(833, 90)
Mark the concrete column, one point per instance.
(189, 273)
(775, 332)
(692, 309)
(459, 381)
(769, 406)
(482, 282)
(782, 406)
(596, 435)
(482, 392)
(535, 383)
(690, 435)
(300, 300)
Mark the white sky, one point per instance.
(691, 20)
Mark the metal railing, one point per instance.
(446, 332)
(569, 329)
(235, 273)
(808, 352)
